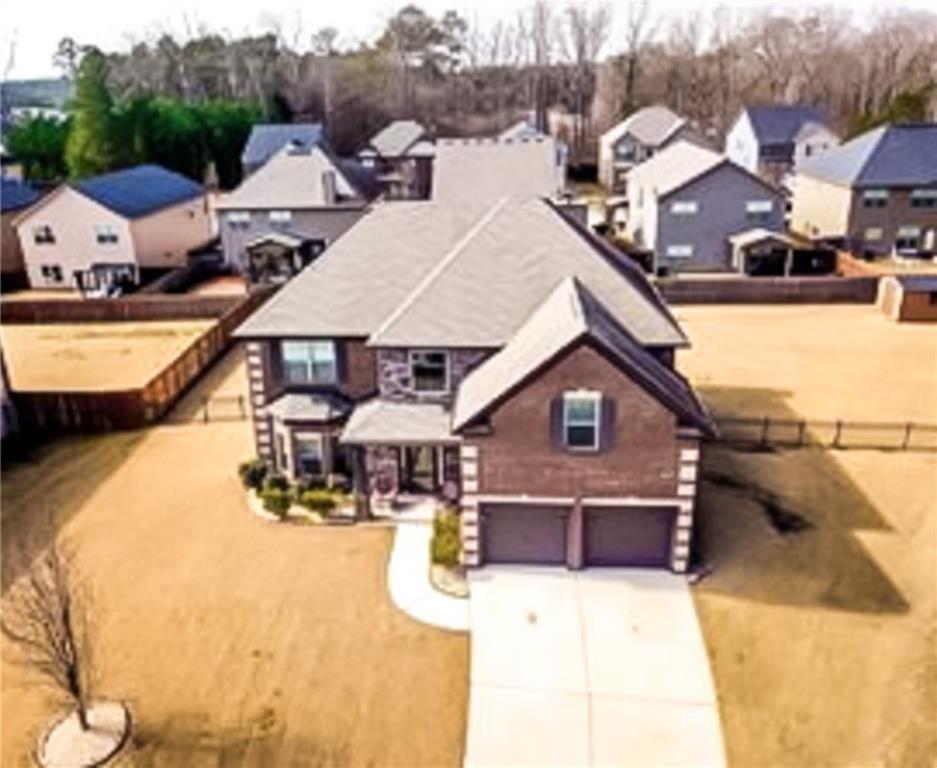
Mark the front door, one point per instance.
(418, 473)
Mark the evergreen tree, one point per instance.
(92, 142)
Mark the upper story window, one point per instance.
(581, 412)
(51, 272)
(43, 235)
(875, 198)
(238, 219)
(759, 210)
(924, 198)
(680, 251)
(429, 371)
(309, 362)
(684, 207)
(280, 218)
(105, 234)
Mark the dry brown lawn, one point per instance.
(235, 642)
(94, 357)
(822, 640)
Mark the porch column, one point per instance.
(359, 479)
(574, 542)
(788, 262)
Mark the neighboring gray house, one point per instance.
(266, 139)
(402, 158)
(636, 139)
(287, 213)
(773, 141)
(687, 201)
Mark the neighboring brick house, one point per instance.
(15, 195)
(495, 354)
(908, 298)
(402, 158)
(638, 138)
(773, 141)
(288, 212)
(875, 194)
(687, 202)
(105, 232)
(266, 139)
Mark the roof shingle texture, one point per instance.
(780, 123)
(267, 139)
(139, 191)
(15, 195)
(652, 126)
(396, 138)
(674, 166)
(385, 421)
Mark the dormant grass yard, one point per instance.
(822, 640)
(94, 357)
(235, 642)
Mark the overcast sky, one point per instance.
(31, 29)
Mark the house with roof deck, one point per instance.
(267, 139)
(109, 232)
(637, 138)
(687, 202)
(497, 355)
(875, 195)
(15, 195)
(401, 155)
(288, 212)
(773, 141)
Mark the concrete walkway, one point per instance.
(600, 667)
(408, 573)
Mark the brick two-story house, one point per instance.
(497, 355)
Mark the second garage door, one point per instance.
(635, 536)
(517, 533)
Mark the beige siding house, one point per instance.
(112, 227)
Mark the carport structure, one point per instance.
(762, 252)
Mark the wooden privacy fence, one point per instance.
(768, 290)
(768, 431)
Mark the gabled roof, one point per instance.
(429, 274)
(380, 421)
(757, 235)
(486, 169)
(139, 191)
(888, 156)
(266, 139)
(16, 195)
(652, 126)
(396, 138)
(780, 123)
(569, 314)
(293, 180)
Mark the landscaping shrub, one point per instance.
(252, 473)
(276, 482)
(318, 500)
(309, 483)
(340, 483)
(447, 541)
(277, 501)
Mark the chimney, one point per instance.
(329, 192)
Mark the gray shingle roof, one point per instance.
(892, 155)
(426, 274)
(380, 421)
(267, 139)
(674, 166)
(780, 123)
(314, 407)
(397, 137)
(569, 314)
(652, 126)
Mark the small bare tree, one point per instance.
(43, 616)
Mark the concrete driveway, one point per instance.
(600, 667)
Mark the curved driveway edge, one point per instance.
(596, 667)
(408, 578)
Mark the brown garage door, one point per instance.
(636, 536)
(517, 533)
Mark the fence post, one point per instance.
(838, 433)
(241, 406)
(907, 436)
(204, 410)
(765, 424)
(801, 429)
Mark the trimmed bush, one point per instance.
(340, 483)
(277, 501)
(446, 543)
(276, 482)
(321, 501)
(309, 483)
(252, 473)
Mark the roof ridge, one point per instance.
(441, 265)
(874, 145)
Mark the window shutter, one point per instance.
(275, 357)
(556, 423)
(607, 421)
(341, 361)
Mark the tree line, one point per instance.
(187, 99)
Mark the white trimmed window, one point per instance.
(684, 207)
(873, 234)
(924, 198)
(105, 234)
(280, 217)
(429, 371)
(759, 210)
(875, 198)
(238, 219)
(309, 453)
(908, 239)
(581, 420)
(309, 362)
(680, 251)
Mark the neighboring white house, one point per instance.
(773, 141)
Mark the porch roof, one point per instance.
(286, 239)
(300, 407)
(385, 422)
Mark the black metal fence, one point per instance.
(770, 432)
(216, 408)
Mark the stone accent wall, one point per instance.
(395, 383)
(382, 466)
(257, 384)
(688, 465)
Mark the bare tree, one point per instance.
(637, 31)
(43, 616)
